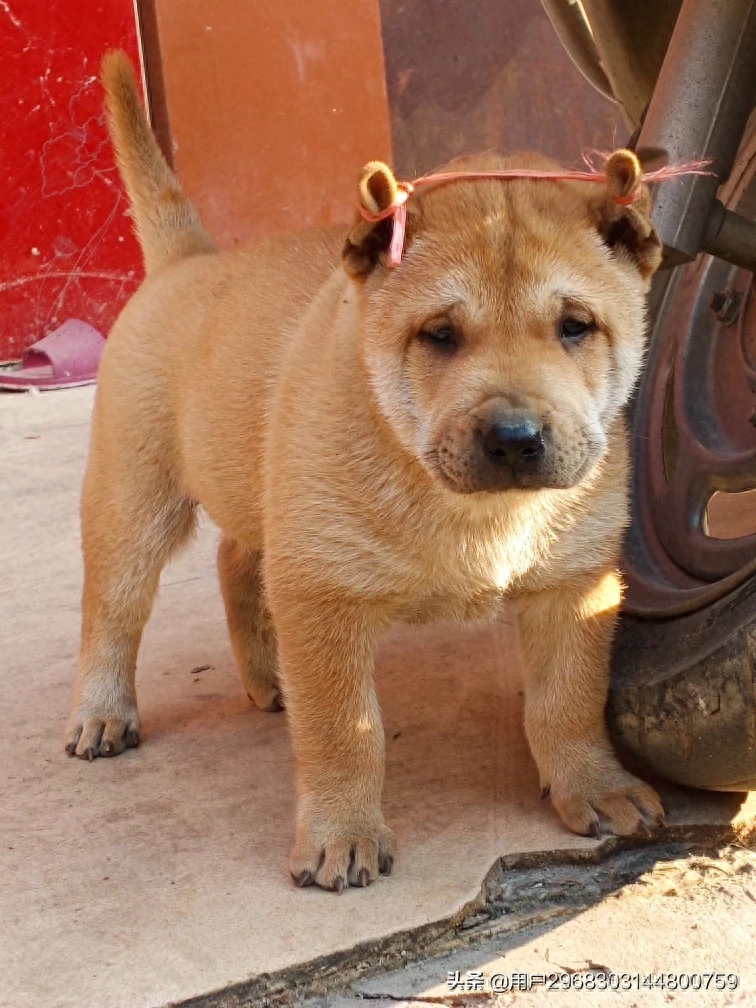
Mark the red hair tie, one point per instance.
(397, 209)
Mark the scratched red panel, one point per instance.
(66, 248)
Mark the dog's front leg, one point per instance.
(327, 652)
(566, 635)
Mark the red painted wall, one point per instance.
(66, 248)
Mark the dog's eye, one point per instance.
(445, 337)
(573, 330)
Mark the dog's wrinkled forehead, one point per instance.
(524, 225)
(504, 268)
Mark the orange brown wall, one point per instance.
(269, 108)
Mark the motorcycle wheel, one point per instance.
(683, 691)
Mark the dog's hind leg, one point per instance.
(130, 527)
(253, 637)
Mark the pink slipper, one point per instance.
(67, 357)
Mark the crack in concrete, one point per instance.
(419, 999)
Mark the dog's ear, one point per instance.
(623, 213)
(369, 240)
(377, 187)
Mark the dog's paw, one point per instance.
(265, 695)
(611, 802)
(336, 856)
(263, 690)
(89, 736)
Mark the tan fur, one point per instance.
(292, 395)
(166, 223)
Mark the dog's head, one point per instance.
(503, 347)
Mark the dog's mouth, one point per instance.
(474, 471)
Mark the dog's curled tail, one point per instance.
(167, 225)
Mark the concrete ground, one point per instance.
(160, 877)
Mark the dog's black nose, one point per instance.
(515, 439)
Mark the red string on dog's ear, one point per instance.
(622, 176)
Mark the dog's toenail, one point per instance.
(363, 878)
(385, 864)
(594, 829)
(305, 878)
(339, 885)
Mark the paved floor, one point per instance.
(161, 875)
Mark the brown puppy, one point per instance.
(376, 445)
